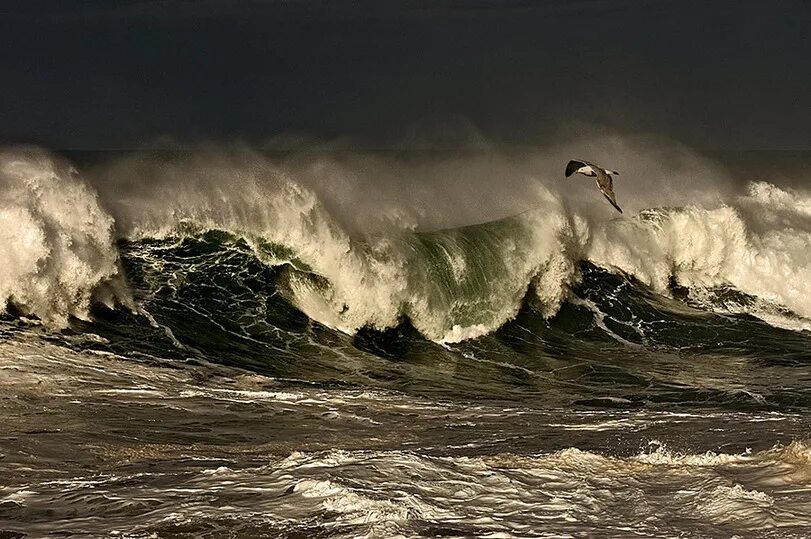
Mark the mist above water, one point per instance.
(379, 237)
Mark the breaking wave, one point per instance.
(58, 243)
(350, 261)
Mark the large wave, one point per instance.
(759, 243)
(370, 241)
(57, 241)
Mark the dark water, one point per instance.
(231, 344)
(232, 414)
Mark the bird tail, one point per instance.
(612, 172)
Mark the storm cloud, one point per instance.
(101, 74)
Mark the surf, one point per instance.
(350, 272)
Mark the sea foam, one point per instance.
(57, 241)
(452, 283)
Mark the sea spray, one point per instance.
(56, 239)
(759, 244)
(350, 270)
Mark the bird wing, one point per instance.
(606, 185)
(573, 165)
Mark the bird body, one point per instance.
(603, 178)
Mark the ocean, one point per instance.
(227, 342)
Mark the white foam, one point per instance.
(698, 247)
(758, 243)
(371, 280)
(57, 241)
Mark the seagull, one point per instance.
(604, 181)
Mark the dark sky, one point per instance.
(119, 73)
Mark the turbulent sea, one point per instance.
(227, 343)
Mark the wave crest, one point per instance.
(759, 244)
(58, 241)
(452, 284)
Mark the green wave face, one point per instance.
(270, 275)
(217, 298)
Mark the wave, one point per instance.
(376, 268)
(736, 493)
(57, 241)
(758, 244)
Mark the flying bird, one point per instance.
(603, 178)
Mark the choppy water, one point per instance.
(211, 362)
